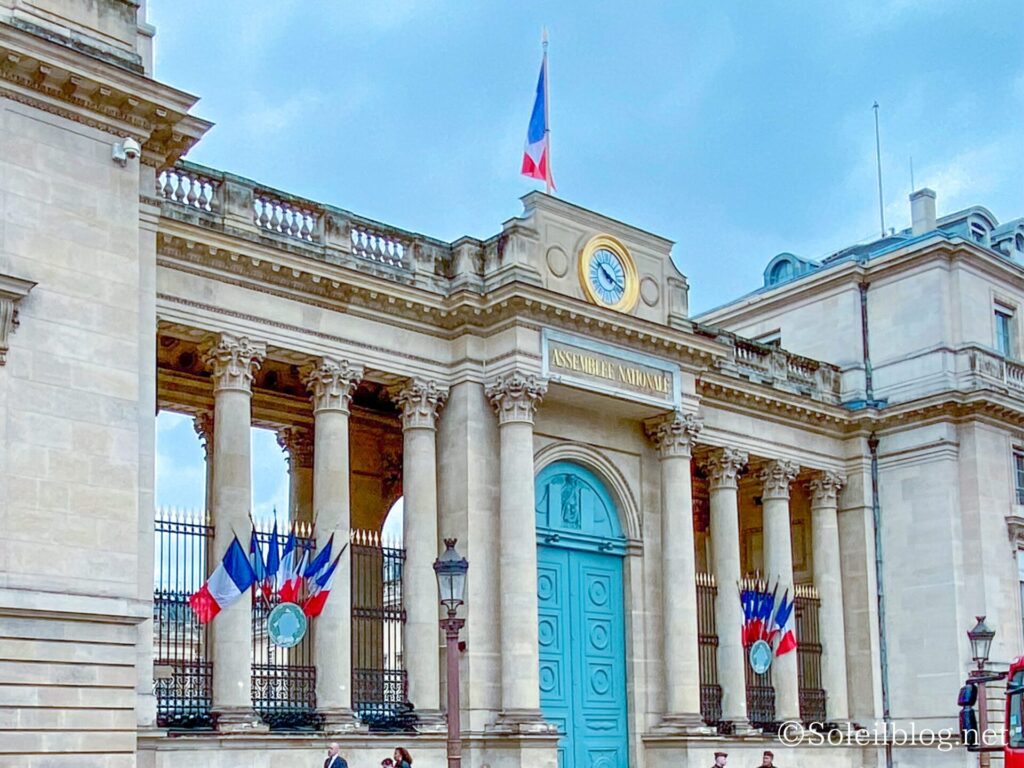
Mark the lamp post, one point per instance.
(981, 645)
(451, 569)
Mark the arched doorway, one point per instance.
(581, 618)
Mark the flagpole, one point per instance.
(547, 112)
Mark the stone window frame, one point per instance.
(1017, 473)
(1007, 306)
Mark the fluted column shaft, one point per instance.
(516, 397)
(673, 438)
(778, 565)
(722, 468)
(331, 384)
(825, 487)
(233, 361)
(420, 402)
(297, 442)
(203, 424)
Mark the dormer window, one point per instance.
(781, 272)
(978, 232)
(1018, 242)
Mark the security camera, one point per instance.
(125, 150)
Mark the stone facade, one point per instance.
(391, 364)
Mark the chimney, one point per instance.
(922, 211)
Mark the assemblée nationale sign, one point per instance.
(593, 365)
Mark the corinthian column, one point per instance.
(202, 422)
(233, 360)
(331, 384)
(673, 438)
(778, 564)
(297, 442)
(722, 468)
(825, 487)
(515, 397)
(420, 402)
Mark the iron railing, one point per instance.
(182, 670)
(760, 691)
(808, 654)
(707, 641)
(283, 679)
(379, 684)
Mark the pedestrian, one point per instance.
(768, 759)
(334, 758)
(387, 762)
(402, 758)
(720, 759)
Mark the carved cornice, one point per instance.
(331, 383)
(12, 291)
(722, 467)
(59, 80)
(233, 360)
(673, 435)
(202, 422)
(516, 396)
(824, 487)
(420, 401)
(776, 476)
(298, 444)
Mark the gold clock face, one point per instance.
(608, 274)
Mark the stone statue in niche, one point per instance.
(571, 502)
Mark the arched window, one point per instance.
(781, 272)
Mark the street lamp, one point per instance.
(981, 644)
(451, 569)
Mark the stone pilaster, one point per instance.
(722, 468)
(297, 443)
(202, 422)
(515, 397)
(331, 384)
(232, 361)
(673, 437)
(825, 487)
(776, 477)
(420, 403)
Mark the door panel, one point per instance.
(582, 655)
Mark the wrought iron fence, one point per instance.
(379, 685)
(707, 640)
(182, 670)
(808, 654)
(283, 679)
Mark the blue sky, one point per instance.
(737, 129)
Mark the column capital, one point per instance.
(202, 422)
(233, 360)
(776, 476)
(420, 400)
(825, 486)
(723, 467)
(331, 383)
(673, 435)
(516, 396)
(297, 442)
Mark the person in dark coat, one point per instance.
(720, 759)
(334, 758)
(768, 759)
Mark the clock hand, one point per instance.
(607, 273)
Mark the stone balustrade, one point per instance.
(291, 218)
(189, 188)
(986, 368)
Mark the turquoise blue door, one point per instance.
(581, 625)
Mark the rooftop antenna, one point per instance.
(878, 157)
(912, 187)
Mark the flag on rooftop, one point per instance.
(537, 153)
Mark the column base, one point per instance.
(341, 720)
(741, 727)
(688, 724)
(238, 720)
(522, 721)
(431, 721)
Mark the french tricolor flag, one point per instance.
(537, 154)
(320, 589)
(783, 624)
(229, 582)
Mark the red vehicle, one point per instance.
(1013, 749)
